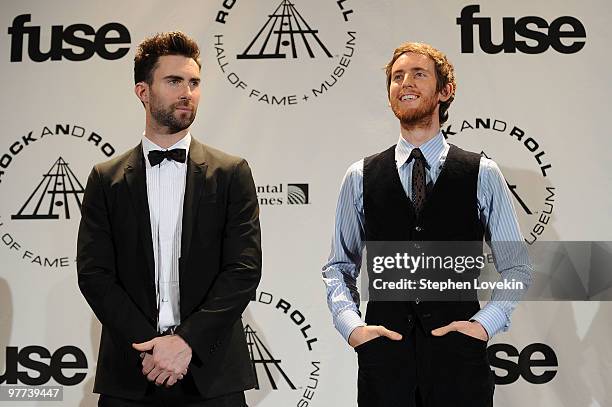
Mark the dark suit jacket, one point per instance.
(220, 267)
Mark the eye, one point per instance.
(420, 74)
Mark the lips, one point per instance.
(408, 97)
(184, 108)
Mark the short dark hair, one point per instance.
(445, 72)
(168, 43)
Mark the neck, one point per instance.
(160, 135)
(418, 134)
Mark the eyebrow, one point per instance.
(180, 78)
(416, 69)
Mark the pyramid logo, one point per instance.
(264, 57)
(514, 192)
(262, 358)
(58, 188)
(519, 199)
(537, 196)
(284, 28)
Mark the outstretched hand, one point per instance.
(363, 334)
(469, 328)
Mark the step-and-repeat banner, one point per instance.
(302, 103)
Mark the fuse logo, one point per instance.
(67, 366)
(565, 34)
(83, 41)
(537, 363)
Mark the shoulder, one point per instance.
(465, 155)
(214, 157)
(489, 168)
(116, 165)
(354, 175)
(389, 152)
(355, 169)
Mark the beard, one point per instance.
(422, 116)
(164, 115)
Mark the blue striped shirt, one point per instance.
(495, 209)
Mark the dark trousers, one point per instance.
(424, 371)
(182, 394)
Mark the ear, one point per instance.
(142, 91)
(446, 92)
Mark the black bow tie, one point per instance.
(157, 156)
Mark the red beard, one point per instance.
(421, 116)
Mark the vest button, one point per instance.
(418, 228)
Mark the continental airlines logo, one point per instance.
(292, 54)
(283, 194)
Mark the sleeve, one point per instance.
(342, 269)
(240, 269)
(96, 269)
(507, 244)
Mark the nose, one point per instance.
(407, 82)
(186, 94)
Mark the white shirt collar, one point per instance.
(432, 150)
(148, 145)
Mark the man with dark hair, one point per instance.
(169, 252)
(422, 353)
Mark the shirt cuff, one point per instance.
(347, 321)
(493, 319)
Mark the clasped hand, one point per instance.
(164, 359)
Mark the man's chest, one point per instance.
(165, 195)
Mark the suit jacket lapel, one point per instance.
(136, 179)
(196, 174)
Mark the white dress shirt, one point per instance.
(165, 192)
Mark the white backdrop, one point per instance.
(299, 142)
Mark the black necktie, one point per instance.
(157, 156)
(419, 192)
